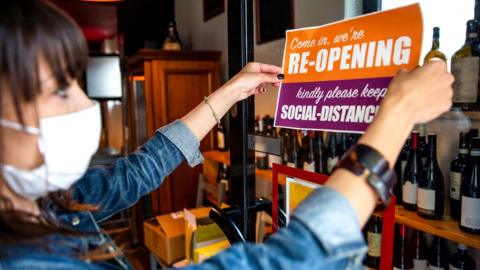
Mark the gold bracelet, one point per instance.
(205, 99)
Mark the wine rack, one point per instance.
(446, 228)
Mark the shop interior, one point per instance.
(153, 61)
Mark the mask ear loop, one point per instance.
(33, 131)
(19, 127)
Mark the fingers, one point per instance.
(260, 67)
(268, 78)
(270, 68)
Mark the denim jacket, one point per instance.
(323, 233)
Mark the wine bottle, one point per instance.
(319, 153)
(221, 146)
(419, 247)
(261, 157)
(342, 145)
(477, 11)
(277, 159)
(223, 174)
(400, 168)
(431, 187)
(308, 156)
(351, 140)
(285, 142)
(422, 143)
(461, 260)
(472, 133)
(267, 122)
(412, 175)
(293, 151)
(465, 67)
(261, 126)
(402, 256)
(403, 158)
(374, 240)
(457, 174)
(470, 192)
(437, 255)
(172, 41)
(434, 52)
(256, 127)
(333, 156)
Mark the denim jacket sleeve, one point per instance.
(323, 233)
(116, 187)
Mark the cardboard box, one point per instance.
(165, 237)
(209, 250)
(201, 231)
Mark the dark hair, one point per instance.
(30, 30)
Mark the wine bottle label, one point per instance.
(455, 181)
(451, 267)
(466, 79)
(426, 201)
(291, 164)
(419, 264)
(309, 166)
(470, 215)
(220, 140)
(331, 162)
(374, 244)
(409, 192)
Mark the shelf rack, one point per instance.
(446, 228)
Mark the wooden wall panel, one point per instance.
(179, 86)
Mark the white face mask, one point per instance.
(67, 143)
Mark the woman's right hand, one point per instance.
(424, 93)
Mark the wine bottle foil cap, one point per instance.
(462, 247)
(403, 230)
(414, 140)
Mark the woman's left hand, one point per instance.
(253, 79)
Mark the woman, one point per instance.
(51, 204)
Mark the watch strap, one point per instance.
(363, 160)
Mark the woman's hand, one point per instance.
(253, 79)
(424, 93)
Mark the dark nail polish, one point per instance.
(280, 76)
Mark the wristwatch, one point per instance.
(363, 160)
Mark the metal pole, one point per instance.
(242, 160)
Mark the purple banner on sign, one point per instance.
(347, 105)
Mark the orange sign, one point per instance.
(337, 74)
(370, 46)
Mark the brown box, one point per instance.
(165, 237)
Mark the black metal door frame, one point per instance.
(242, 160)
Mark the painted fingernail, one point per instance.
(280, 76)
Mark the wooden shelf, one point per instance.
(264, 174)
(224, 157)
(446, 228)
(218, 156)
